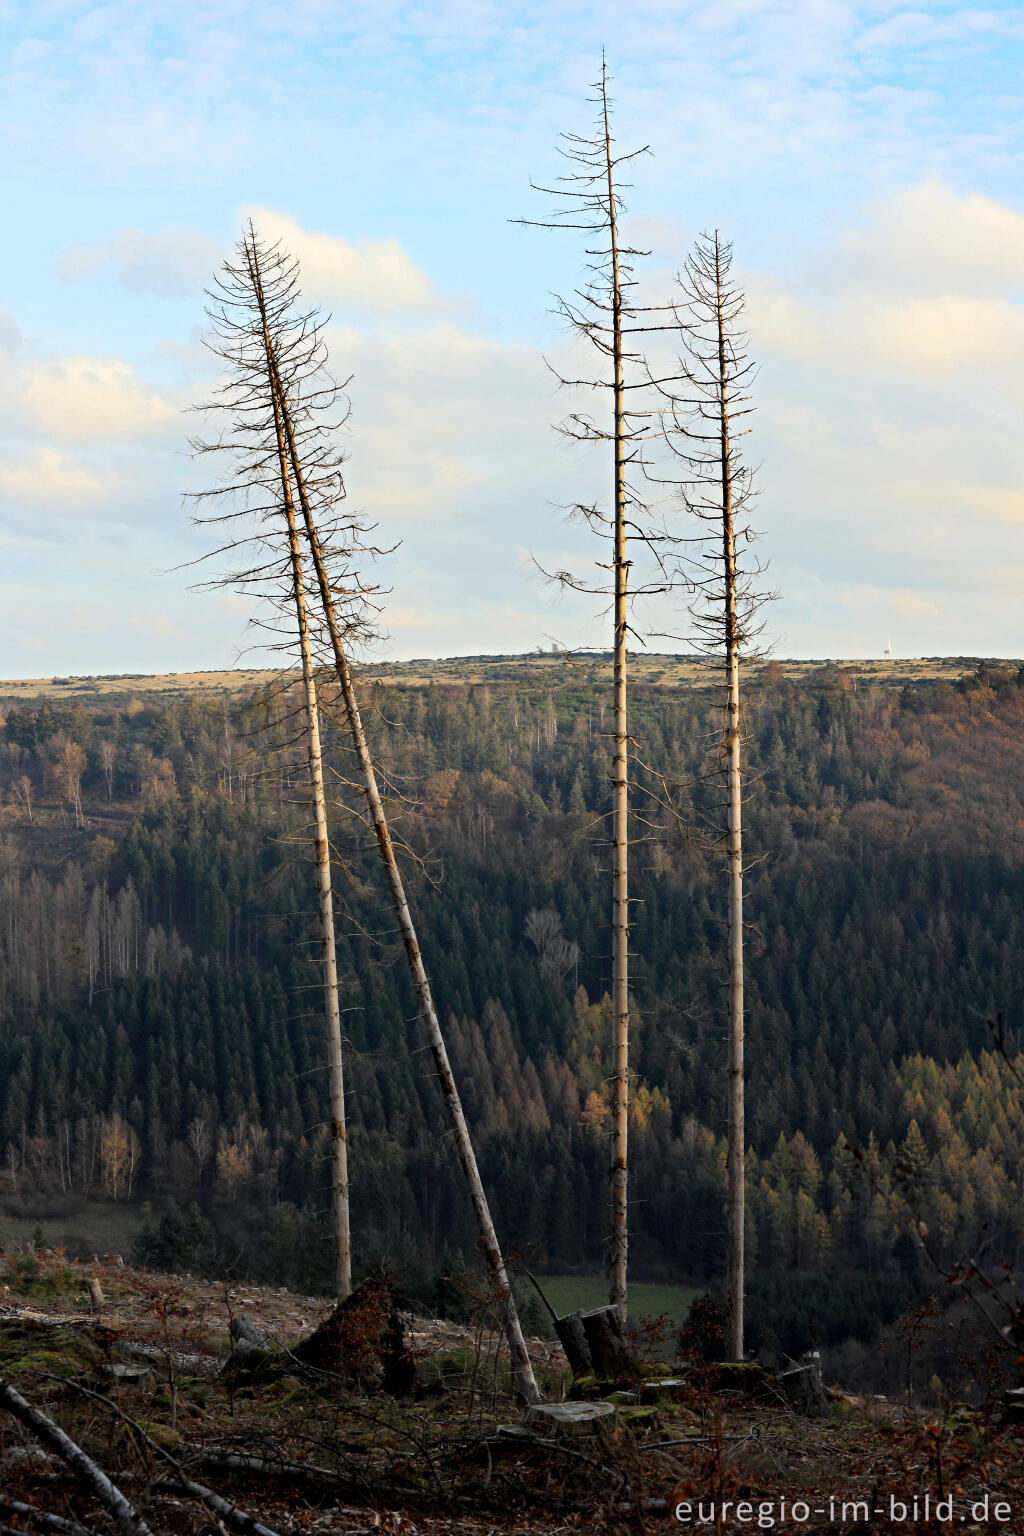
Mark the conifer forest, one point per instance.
(159, 960)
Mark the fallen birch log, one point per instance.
(237, 1519)
(95, 1479)
(43, 1517)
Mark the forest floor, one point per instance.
(139, 1382)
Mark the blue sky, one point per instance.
(865, 159)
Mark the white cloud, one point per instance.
(928, 285)
(872, 330)
(888, 395)
(930, 238)
(168, 261)
(865, 599)
(91, 399)
(49, 480)
(917, 30)
(371, 275)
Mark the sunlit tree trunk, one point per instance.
(328, 955)
(464, 1146)
(735, 1265)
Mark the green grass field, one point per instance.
(98, 1227)
(571, 1293)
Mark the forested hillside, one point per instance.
(160, 1034)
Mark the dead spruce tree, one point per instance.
(604, 316)
(244, 332)
(304, 398)
(703, 421)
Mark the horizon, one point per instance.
(58, 679)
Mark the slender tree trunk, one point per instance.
(329, 961)
(735, 1265)
(95, 1479)
(619, 1171)
(467, 1157)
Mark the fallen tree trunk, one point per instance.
(44, 1518)
(264, 1466)
(95, 1479)
(237, 1519)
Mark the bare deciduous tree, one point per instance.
(22, 791)
(556, 955)
(108, 758)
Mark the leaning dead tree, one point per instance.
(304, 398)
(703, 419)
(604, 316)
(243, 337)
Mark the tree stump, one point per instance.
(606, 1341)
(573, 1339)
(243, 1327)
(804, 1392)
(569, 1418)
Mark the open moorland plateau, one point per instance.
(671, 670)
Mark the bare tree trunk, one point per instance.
(329, 961)
(467, 1157)
(95, 1479)
(328, 955)
(735, 1266)
(619, 1171)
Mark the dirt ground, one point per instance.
(142, 1381)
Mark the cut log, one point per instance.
(573, 1339)
(132, 1375)
(606, 1341)
(1013, 1406)
(658, 1388)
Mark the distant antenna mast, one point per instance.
(888, 649)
